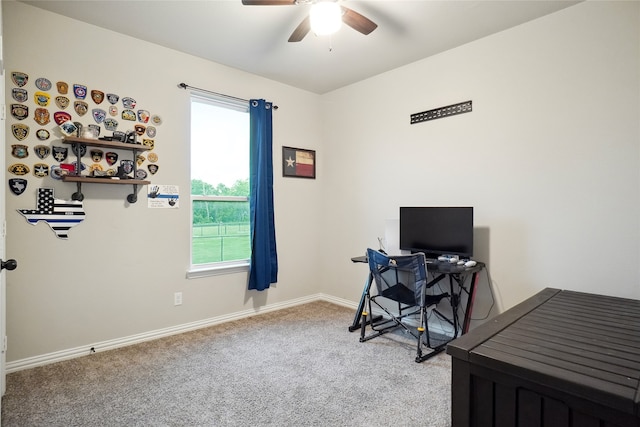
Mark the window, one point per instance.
(220, 230)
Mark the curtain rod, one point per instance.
(186, 86)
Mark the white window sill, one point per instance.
(217, 270)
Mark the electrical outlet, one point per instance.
(177, 298)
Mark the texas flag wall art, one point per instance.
(298, 163)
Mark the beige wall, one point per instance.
(549, 158)
(116, 274)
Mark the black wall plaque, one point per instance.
(438, 113)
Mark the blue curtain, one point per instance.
(264, 257)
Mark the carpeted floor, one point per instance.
(295, 367)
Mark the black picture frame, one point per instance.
(298, 163)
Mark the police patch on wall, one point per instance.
(17, 185)
(19, 151)
(42, 151)
(60, 153)
(20, 131)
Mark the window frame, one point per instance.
(223, 267)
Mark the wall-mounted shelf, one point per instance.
(115, 145)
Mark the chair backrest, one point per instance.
(401, 278)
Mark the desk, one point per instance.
(558, 359)
(457, 283)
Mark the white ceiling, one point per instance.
(254, 38)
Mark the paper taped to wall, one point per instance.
(163, 196)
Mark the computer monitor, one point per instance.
(437, 230)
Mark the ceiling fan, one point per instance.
(350, 17)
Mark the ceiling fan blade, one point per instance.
(357, 21)
(268, 2)
(301, 30)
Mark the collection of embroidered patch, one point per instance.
(52, 126)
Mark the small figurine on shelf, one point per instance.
(118, 136)
(132, 137)
(121, 173)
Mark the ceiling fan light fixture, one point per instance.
(325, 18)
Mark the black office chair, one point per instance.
(402, 280)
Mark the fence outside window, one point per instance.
(220, 229)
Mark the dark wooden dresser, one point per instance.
(560, 358)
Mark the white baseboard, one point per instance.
(58, 356)
(338, 301)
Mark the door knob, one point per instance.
(9, 264)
